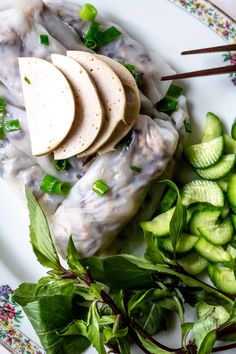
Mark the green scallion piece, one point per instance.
(187, 126)
(174, 91)
(100, 187)
(108, 35)
(88, 13)
(27, 80)
(136, 168)
(11, 125)
(48, 184)
(2, 117)
(52, 185)
(44, 40)
(138, 76)
(61, 165)
(167, 105)
(90, 39)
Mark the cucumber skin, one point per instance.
(203, 217)
(220, 275)
(233, 131)
(231, 192)
(212, 253)
(213, 128)
(185, 240)
(210, 233)
(229, 145)
(219, 170)
(193, 263)
(211, 150)
(200, 191)
(160, 225)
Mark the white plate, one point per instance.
(162, 27)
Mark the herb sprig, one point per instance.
(118, 300)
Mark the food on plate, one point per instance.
(89, 112)
(111, 93)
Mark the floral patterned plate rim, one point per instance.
(13, 334)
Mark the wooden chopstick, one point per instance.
(206, 72)
(221, 48)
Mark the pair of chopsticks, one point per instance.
(205, 72)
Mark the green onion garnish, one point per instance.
(167, 105)
(138, 76)
(88, 13)
(2, 117)
(100, 187)
(11, 125)
(44, 40)
(90, 39)
(26, 79)
(188, 127)
(52, 185)
(108, 35)
(61, 165)
(136, 168)
(174, 91)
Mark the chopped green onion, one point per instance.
(88, 13)
(233, 131)
(188, 127)
(90, 39)
(2, 117)
(61, 165)
(108, 35)
(126, 141)
(11, 125)
(62, 188)
(136, 168)
(138, 76)
(48, 184)
(26, 79)
(52, 185)
(44, 40)
(174, 91)
(100, 187)
(167, 105)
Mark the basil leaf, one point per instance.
(123, 345)
(48, 315)
(138, 297)
(173, 304)
(208, 343)
(76, 327)
(24, 294)
(118, 298)
(186, 329)
(203, 326)
(73, 258)
(96, 267)
(110, 334)
(93, 329)
(75, 345)
(40, 234)
(152, 252)
(152, 348)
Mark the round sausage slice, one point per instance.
(88, 108)
(111, 92)
(49, 103)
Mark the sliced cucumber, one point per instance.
(202, 308)
(223, 278)
(160, 225)
(193, 263)
(229, 145)
(231, 193)
(184, 245)
(219, 170)
(233, 218)
(167, 201)
(185, 173)
(213, 128)
(211, 252)
(218, 234)
(205, 154)
(223, 182)
(232, 251)
(202, 192)
(190, 210)
(203, 218)
(233, 131)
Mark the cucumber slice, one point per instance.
(211, 252)
(231, 250)
(202, 192)
(229, 145)
(233, 131)
(213, 128)
(223, 278)
(223, 183)
(184, 245)
(193, 208)
(219, 170)
(231, 193)
(202, 308)
(233, 218)
(218, 234)
(167, 201)
(203, 218)
(193, 263)
(185, 173)
(205, 154)
(160, 225)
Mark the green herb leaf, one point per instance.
(186, 329)
(123, 345)
(93, 329)
(109, 334)
(208, 343)
(73, 258)
(138, 297)
(40, 235)
(203, 326)
(24, 294)
(152, 348)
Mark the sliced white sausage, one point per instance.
(111, 92)
(132, 103)
(88, 108)
(49, 103)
